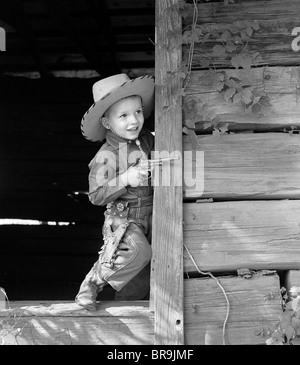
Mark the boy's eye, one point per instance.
(140, 111)
(123, 115)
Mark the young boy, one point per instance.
(116, 180)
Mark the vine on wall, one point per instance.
(230, 42)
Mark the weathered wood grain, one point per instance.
(280, 84)
(57, 323)
(255, 304)
(273, 40)
(257, 235)
(58, 308)
(243, 166)
(167, 279)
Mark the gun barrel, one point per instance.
(168, 158)
(159, 161)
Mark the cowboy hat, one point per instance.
(109, 90)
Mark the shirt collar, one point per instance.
(114, 140)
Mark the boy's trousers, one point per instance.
(131, 259)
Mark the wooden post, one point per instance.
(167, 262)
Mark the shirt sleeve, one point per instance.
(105, 184)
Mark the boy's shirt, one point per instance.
(113, 159)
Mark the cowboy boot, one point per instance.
(89, 289)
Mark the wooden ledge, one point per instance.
(66, 323)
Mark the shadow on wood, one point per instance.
(65, 323)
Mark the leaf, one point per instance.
(237, 40)
(236, 61)
(241, 23)
(223, 127)
(184, 12)
(237, 98)
(246, 96)
(295, 304)
(207, 125)
(233, 28)
(205, 62)
(228, 94)
(189, 123)
(219, 85)
(255, 25)
(231, 83)
(246, 62)
(244, 36)
(230, 46)
(256, 108)
(295, 290)
(290, 332)
(265, 101)
(296, 323)
(244, 273)
(269, 341)
(218, 50)
(216, 133)
(185, 130)
(249, 31)
(256, 58)
(226, 36)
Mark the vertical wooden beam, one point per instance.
(167, 261)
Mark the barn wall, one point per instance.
(243, 213)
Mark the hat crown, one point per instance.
(105, 86)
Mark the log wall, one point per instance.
(242, 213)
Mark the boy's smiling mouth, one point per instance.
(133, 129)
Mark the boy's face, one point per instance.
(125, 117)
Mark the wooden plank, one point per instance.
(273, 40)
(48, 323)
(167, 271)
(255, 304)
(58, 308)
(243, 166)
(280, 84)
(248, 234)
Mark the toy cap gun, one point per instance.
(149, 164)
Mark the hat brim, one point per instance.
(91, 127)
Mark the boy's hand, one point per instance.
(134, 176)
